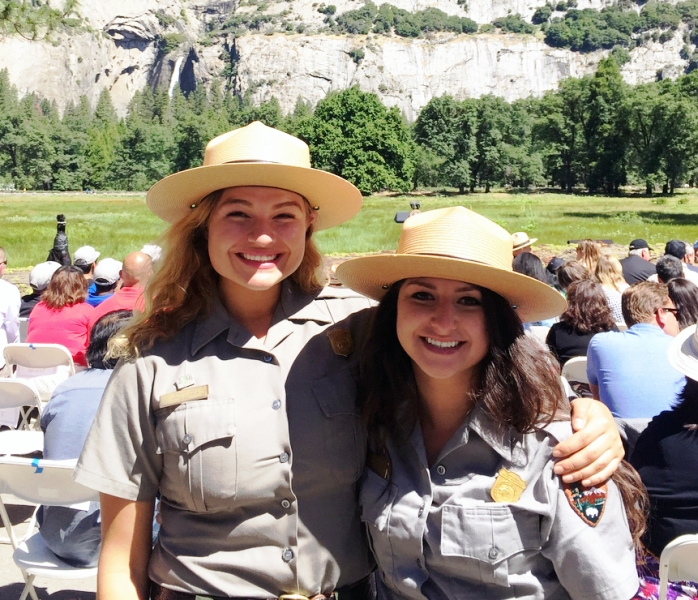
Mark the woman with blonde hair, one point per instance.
(236, 401)
(609, 273)
(588, 253)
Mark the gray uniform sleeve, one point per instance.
(120, 456)
(590, 562)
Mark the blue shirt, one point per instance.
(632, 371)
(92, 298)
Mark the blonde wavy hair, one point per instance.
(185, 284)
(588, 253)
(609, 273)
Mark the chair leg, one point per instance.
(8, 524)
(29, 588)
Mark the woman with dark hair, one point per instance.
(586, 315)
(63, 316)
(684, 295)
(666, 457)
(530, 265)
(460, 497)
(571, 271)
(74, 533)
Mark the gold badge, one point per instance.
(341, 342)
(508, 487)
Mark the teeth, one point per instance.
(439, 344)
(261, 258)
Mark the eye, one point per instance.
(285, 216)
(422, 296)
(237, 214)
(470, 301)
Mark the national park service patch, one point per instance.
(588, 503)
(341, 341)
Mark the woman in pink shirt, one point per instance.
(63, 316)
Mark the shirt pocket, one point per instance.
(197, 442)
(341, 423)
(503, 539)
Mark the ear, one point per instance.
(660, 318)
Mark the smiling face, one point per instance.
(256, 237)
(441, 326)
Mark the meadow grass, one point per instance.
(116, 224)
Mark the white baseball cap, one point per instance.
(107, 271)
(85, 255)
(41, 274)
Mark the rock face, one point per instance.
(131, 44)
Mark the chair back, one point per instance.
(48, 482)
(575, 369)
(678, 562)
(23, 326)
(15, 393)
(621, 326)
(39, 356)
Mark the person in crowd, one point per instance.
(586, 315)
(530, 265)
(609, 274)
(684, 295)
(637, 266)
(571, 271)
(106, 278)
(135, 272)
(666, 457)
(240, 337)
(553, 265)
(39, 277)
(74, 534)
(668, 267)
(690, 256)
(629, 370)
(588, 253)
(63, 316)
(677, 248)
(9, 314)
(85, 259)
(522, 243)
(460, 497)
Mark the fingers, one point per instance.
(594, 462)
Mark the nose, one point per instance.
(261, 233)
(443, 318)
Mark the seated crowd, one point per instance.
(622, 315)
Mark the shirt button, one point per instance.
(283, 457)
(441, 470)
(287, 554)
(421, 511)
(267, 358)
(285, 504)
(493, 553)
(187, 439)
(276, 405)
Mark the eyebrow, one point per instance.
(467, 287)
(242, 202)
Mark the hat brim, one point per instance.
(373, 275)
(528, 243)
(683, 353)
(336, 199)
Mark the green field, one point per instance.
(118, 224)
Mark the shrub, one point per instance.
(542, 14)
(514, 24)
(170, 42)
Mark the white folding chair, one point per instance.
(23, 326)
(47, 482)
(621, 326)
(575, 369)
(678, 562)
(21, 442)
(16, 394)
(39, 356)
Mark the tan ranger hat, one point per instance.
(459, 244)
(261, 156)
(520, 240)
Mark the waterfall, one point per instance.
(174, 80)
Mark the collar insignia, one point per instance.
(341, 342)
(508, 487)
(588, 503)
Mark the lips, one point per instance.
(260, 257)
(441, 344)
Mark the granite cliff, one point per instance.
(127, 45)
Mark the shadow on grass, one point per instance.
(13, 591)
(652, 216)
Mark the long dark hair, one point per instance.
(518, 385)
(687, 405)
(529, 264)
(684, 295)
(587, 308)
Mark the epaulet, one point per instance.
(559, 430)
(332, 291)
(342, 302)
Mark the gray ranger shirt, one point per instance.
(437, 533)
(259, 477)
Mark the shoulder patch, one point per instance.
(341, 341)
(589, 503)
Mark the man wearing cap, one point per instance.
(521, 242)
(39, 277)
(9, 314)
(636, 267)
(135, 272)
(85, 260)
(629, 370)
(106, 276)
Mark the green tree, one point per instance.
(352, 134)
(102, 140)
(35, 19)
(493, 122)
(678, 141)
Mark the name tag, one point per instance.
(200, 392)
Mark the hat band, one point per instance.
(454, 256)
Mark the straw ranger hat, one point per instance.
(454, 243)
(683, 352)
(256, 155)
(520, 240)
